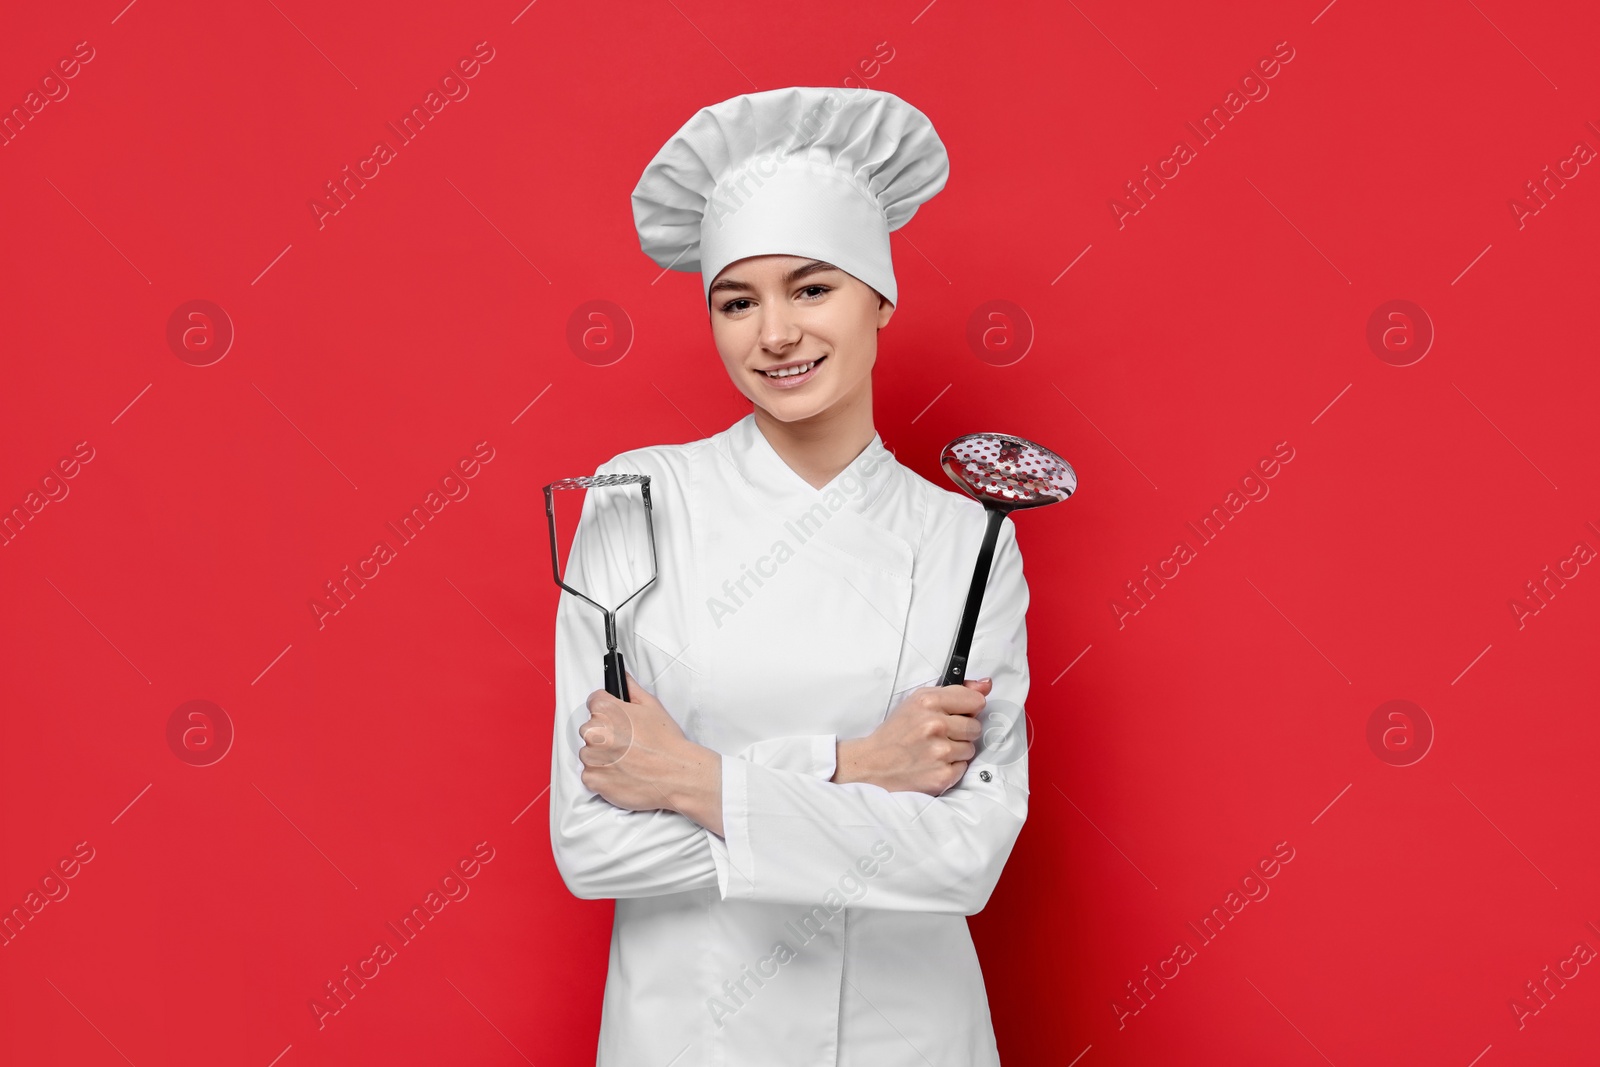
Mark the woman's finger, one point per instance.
(596, 731)
(960, 769)
(963, 699)
(634, 688)
(963, 728)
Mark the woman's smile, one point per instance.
(785, 377)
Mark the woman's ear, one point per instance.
(885, 311)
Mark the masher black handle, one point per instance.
(616, 679)
(955, 671)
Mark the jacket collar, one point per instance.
(758, 463)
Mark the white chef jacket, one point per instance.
(828, 924)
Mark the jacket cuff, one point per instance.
(731, 852)
(812, 754)
(824, 755)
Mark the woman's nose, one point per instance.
(779, 330)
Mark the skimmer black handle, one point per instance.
(955, 672)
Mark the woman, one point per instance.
(793, 816)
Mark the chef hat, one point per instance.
(803, 171)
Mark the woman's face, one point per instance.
(775, 312)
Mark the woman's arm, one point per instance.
(819, 755)
(791, 837)
(909, 750)
(601, 850)
(923, 746)
(605, 851)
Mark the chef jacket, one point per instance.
(827, 924)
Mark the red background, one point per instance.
(1172, 751)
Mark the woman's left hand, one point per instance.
(636, 756)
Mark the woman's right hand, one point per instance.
(925, 743)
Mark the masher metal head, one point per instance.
(1003, 473)
(615, 674)
(596, 481)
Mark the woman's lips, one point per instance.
(793, 380)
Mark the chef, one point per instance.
(793, 816)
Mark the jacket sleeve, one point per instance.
(789, 837)
(816, 755)
(603, 851)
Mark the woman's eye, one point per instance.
(733, 306)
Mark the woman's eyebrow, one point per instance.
(814, 267)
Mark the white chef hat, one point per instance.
(804, 171)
